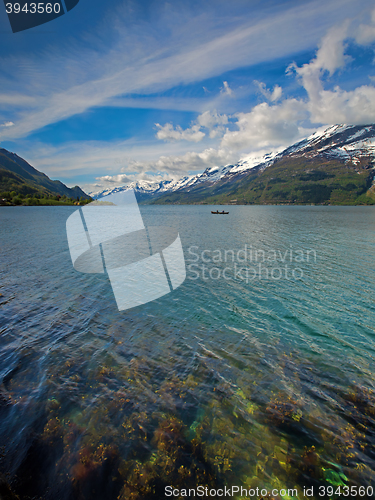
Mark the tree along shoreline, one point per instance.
(18, 199)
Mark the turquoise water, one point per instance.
(258, 371)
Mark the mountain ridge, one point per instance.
(17, 175)
(333, 165)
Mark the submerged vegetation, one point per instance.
(126, 430)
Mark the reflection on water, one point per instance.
(266, 384)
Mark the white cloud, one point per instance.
(330, 55)
(226, 90)
(274, 125)
(7, 124)
(171, 167)
(267, 125)
(334, 106)
(214, 122)
(365, 34)
(273, 95)
(356, 107)
(179, 165)
(130, 158)
(121, 179)
(211, 120)
(16, 100)
(157, 102)
(168, 133)
(70, 79)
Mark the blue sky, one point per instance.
(116, 91)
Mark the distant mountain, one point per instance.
(150, 191)
(19, 176)
(335, 165)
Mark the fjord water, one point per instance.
(248, 374)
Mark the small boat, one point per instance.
(221, 213)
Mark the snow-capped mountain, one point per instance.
(346, 143)
(342, 142)
(210, 175)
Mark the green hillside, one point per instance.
(288, 181)
(20, 183)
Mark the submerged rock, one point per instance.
(5, 491)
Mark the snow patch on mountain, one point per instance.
(342, 142)
(254, 159)
(210, 175)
